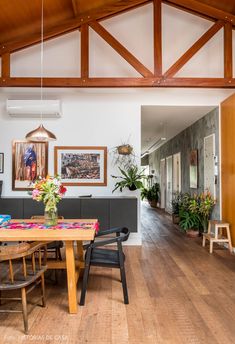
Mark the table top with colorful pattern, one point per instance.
(28, 225)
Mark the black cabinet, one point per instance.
(12, 206)
(111, 212)
(123, 213)
(96, 209)
(32, 208)
(70, 208)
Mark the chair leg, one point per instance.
(203, 241)
(84, 285)
(124, 285)
(43, 291)
(56, 254)
(24, 307)
(85, 278)
(211, 246)
(59, 254)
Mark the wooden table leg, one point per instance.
(71, 276)
(80, 252)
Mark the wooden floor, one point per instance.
(179, 294)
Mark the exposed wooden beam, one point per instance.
(228, 51)
(204, 9)
(75, 9)
(6, 65)
(121, 50)
(193, 49)
(84, 51)
(157, 27)
(119, 82)
(71, 24)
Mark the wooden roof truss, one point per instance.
(148, 78)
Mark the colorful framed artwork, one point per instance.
(84, 166)
(29, 162)
(1, 162)
(193, 169)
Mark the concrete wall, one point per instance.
(184, 142)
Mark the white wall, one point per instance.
(93, 117)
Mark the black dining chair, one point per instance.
(102, 257)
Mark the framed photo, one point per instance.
(29, 162)
(81, 165)
(193, 169)
(1, 162)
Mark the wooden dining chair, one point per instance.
(22, 267)
(102, 257)
(53, 246)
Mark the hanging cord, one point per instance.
(41, 58)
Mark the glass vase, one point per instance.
(51, 217)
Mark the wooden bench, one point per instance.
(218, 235)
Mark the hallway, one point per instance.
(193, 291)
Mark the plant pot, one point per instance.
(124, 149)
(153, 204)
(132, 187)
(175, 219)
(191, 233)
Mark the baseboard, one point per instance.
(134, 240)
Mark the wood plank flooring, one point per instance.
(179, 294)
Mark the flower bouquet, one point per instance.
(50, 191)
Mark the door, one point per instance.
(163, 183)
(176, 172)
(209, 164)
(169, 171)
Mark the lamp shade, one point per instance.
(40, 134)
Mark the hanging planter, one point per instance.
(125, 149)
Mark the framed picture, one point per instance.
(81, 165)
(193, 169)
(29, 162)
(1, 162)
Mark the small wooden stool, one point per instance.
(217, 236)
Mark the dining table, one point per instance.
(71, 231)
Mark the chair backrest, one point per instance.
(41, 217)
(122, 234)
(21, 259)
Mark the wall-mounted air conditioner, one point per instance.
(29, 108)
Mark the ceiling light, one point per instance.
(41, 134)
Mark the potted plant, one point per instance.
(151, 194)
(189, 215)
(175, 206)
(131, 179)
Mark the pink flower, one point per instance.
(35, 193)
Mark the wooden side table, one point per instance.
(217, 235)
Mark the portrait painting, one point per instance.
(29, 162)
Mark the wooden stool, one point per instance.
(217, 236)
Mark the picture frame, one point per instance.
(193, 169)
(29, 162)
(83, 166)
(1, 162)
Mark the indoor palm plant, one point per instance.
(151, 194)
(50, 191)
(130, 178)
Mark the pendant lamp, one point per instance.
(41, 134)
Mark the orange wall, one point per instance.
(228, 162)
